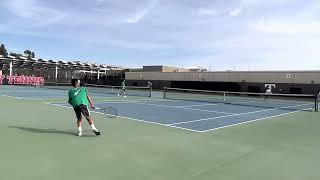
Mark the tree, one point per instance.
(15, 55)
(27, 53)
(3, 50)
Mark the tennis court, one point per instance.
(176, 137)
(198, 111)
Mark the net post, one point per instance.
(164, 92)
(316, 103)
(224, 97)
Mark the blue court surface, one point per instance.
(193, 116)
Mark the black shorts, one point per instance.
(82, 109)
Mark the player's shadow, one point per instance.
(47, 131)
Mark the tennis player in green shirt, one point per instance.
(80, 99)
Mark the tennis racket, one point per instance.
(110, 112)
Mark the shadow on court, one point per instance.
(47, 131)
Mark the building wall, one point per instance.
(304, 77)
(306, 82)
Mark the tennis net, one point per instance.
(294, 102)
(104, 89)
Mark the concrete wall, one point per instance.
(304, 77)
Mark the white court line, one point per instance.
(198, 105)
(134, 119)
(32, 91)
(10, 96)
(269, 117)
(152, 99)
(218, 117)
(43, 97)
(177, 107)
(26, 98)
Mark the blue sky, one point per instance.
(221, 34)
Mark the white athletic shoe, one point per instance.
(96, 132)
(79, 133)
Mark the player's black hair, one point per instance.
(74, 82)
(82, 83)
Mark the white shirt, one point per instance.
(268, 91)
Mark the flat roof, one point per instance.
(22, 61)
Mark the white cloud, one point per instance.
(214, 12)
(136, 17)
(267, 3)
(32, 11)
(235, 12)
(207, 12)
(288, 27)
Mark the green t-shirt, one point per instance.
(78, 96)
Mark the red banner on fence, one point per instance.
(23, 80)
(1, 79)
